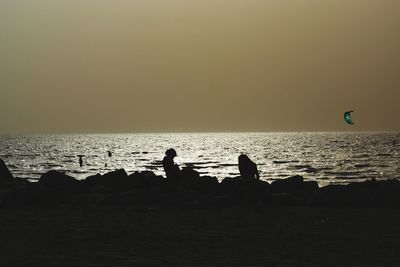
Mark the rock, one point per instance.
(116, 180)
(119, 181)
(208, 180)
(57, 180)
(6, 196)
(193, 181)
(94, 181)
(20, 184)
(355, 194)
(307, 190)
(257, 191)
(387, 193)
(241, 191)
(205, 184)
(231, 184)
(118, 174)
(362, 194)
(287, 185)
(5, 174)
(190, 174)
(39, 195)
(295, 186)
(331, 195)
(146, 179)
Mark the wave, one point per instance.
(284, 161)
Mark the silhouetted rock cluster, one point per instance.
(368, 193)
(145, 189)
(5, 175)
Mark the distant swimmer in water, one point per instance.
(80, 160)
(248, 169)
(109, 154)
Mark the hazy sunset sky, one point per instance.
(78, 66)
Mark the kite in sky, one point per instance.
(347, 117)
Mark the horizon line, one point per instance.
(195, 132)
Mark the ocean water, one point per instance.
(328, 158)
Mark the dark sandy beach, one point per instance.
(273, 236)
(140, 219)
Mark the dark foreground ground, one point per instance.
(236, 236)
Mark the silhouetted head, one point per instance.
(171, 153)
(244, 159)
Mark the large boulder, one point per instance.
(38, 195)
(208, 180)
(116, 179)
(6, 196)
(191, 180)
(94, 181)
(204, 184)
(256, 191)
(331, 195)
(53, 188)
(57, 180)
(231, 184)
(240, 191)
(287, 185)
(189, 173)
(119, 181)
(387, 193)
(139, 188)
(294, 188)
(5, 174)
(146, 179)
(354, 194)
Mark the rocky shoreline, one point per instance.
(149, 191)
(143, 219)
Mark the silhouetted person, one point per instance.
(172, 170)
(248, 169)
(109, 154)
(80, 160)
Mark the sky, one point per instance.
(121, 66)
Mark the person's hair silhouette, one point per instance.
(172, 170)
(248, 169)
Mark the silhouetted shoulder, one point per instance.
(247, 168)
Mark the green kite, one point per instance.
(347, 117)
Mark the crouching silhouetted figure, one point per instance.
(172, 170)
(248, 169)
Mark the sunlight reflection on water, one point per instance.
(323, 157)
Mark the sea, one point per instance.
(328, 158)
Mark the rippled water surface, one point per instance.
(324, 157)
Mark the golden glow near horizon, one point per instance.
(137, 66)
